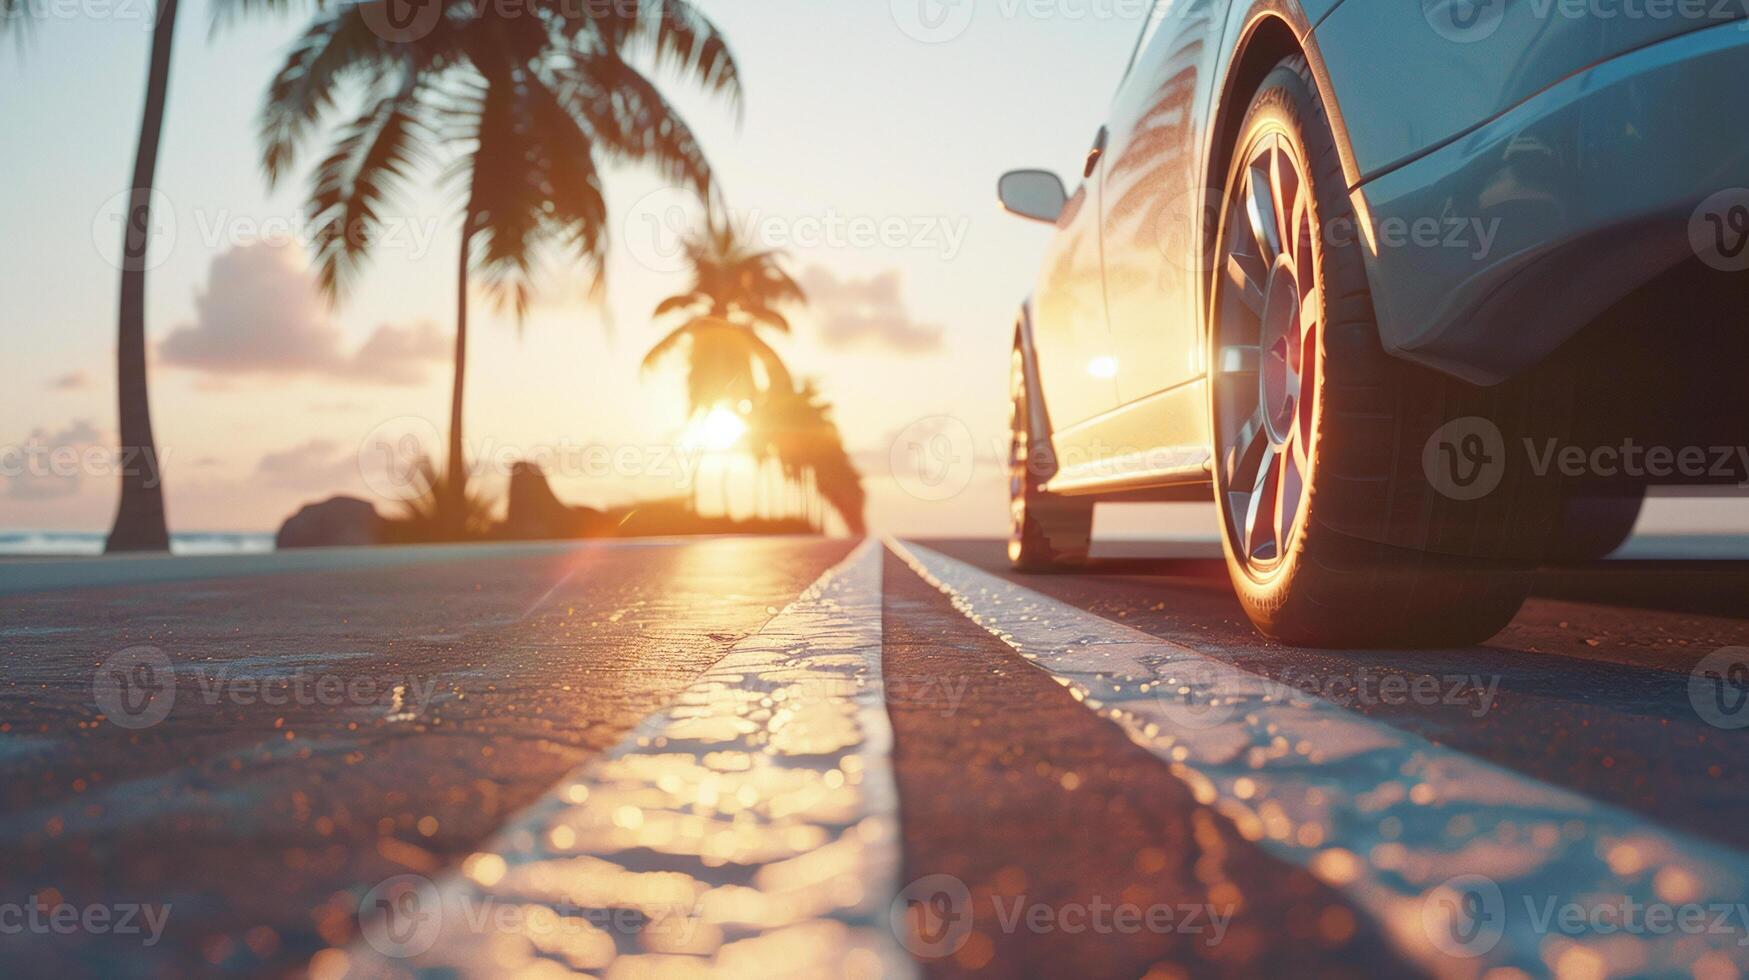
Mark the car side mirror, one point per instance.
(1035, 194)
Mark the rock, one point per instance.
(535, 512)
(333, 522)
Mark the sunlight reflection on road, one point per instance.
(748, 829)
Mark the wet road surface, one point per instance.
(803, 757)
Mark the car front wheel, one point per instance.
(1332, 532)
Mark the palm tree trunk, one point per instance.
(453, 496)
(139, 518)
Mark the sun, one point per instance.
(716, 431)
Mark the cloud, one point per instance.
(315, 465)
(852, 311)
(52, 465)
(71, 382)
(261, 314)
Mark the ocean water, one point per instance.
(38, 542)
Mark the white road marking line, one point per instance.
(1466, 866)
(749, 829)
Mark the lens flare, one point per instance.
(716, 431)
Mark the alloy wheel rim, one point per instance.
(1267, 332)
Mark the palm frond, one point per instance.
(686, 42)
(336, 48)
(683, 301)
(426, 514)
(503, 201)
(797, 429)
(369, 159)
(632, 121)
(666, 347)
(225, 13)
(725, 362)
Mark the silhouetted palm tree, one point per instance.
(139, 516)
(735, 290)
(794, 425)
(539, 92)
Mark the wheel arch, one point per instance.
(1264, 32)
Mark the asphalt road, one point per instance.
(804, 757)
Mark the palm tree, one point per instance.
(139, 517)
(735, 290)
(537, 93)
(796, 428)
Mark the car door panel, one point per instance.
(1068, 317)
(1153, 199)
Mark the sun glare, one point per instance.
(718, 430)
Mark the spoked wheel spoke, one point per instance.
(1260, 509)
(1246, 274)
(1260, 210)
(1247, 467)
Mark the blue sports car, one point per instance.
(1424, 294)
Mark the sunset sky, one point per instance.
(872, 139)
(869, 154)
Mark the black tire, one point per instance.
(1369, 553)
(1593, 525)
(1046, 532)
